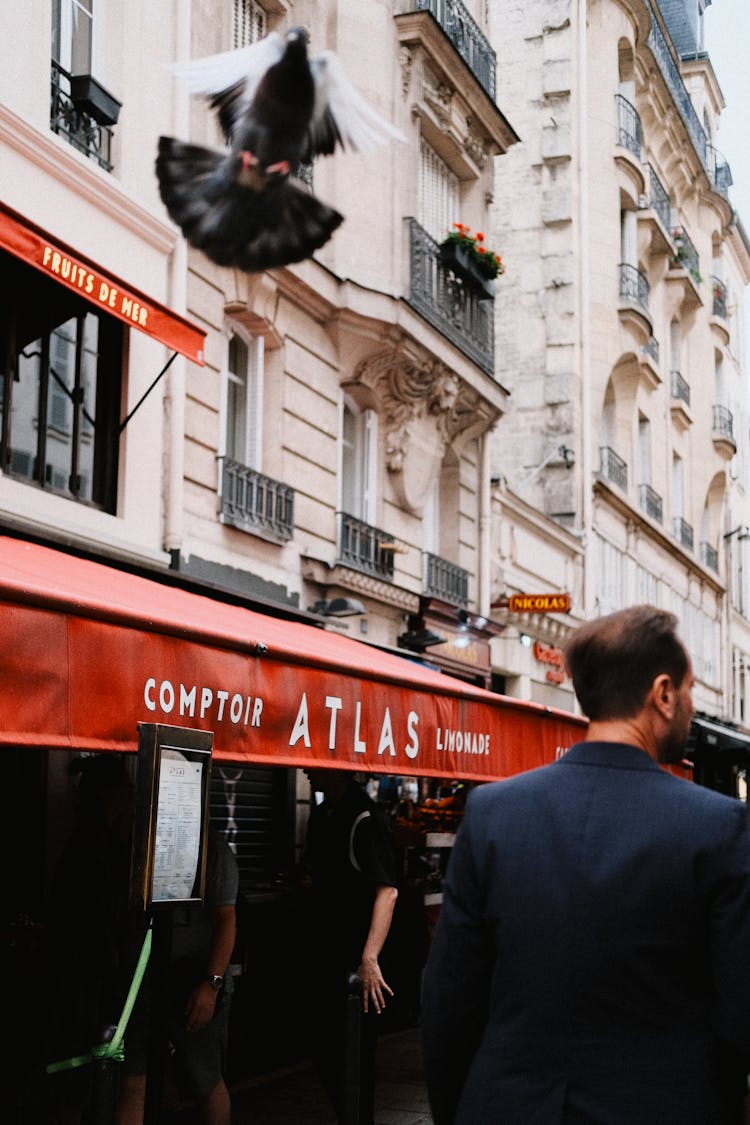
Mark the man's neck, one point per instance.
(633, 732)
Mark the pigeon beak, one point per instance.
(299, 33)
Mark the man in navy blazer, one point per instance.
(591, 964)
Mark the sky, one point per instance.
(727, 32)
(727, 39)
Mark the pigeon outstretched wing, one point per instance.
(342, 116)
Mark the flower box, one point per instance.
(89, 96)
(458, 259)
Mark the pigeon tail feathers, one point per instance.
(235, 226)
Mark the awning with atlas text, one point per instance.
(90, 651)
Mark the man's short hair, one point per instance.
(614, 660)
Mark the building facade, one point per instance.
(621, 335)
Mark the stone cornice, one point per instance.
(329, 576)
(419, 30)
(58, 160)
(613, 500)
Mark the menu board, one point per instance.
(172, 791)
(178, 825)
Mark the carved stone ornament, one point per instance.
(405, 60)
(475, 145)
(424, 408)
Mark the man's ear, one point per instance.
(663, 696)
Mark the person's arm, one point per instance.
(373, 984)
(201, 1002)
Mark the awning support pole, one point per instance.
(145, 395)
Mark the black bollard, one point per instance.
(105, 1087)
(352, 1062)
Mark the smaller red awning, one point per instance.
(89, 651)
(102, 290)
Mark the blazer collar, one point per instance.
(619, 755)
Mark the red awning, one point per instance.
(102, 290)
(89, 651)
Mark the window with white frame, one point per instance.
(358, 461)
(243, 400)
(677, 477)
(439, 194)
(737, 548)
(644, 449)
(700, 633)
(431, 519)
(248, 23)
(647, 587)
(610, 573)
(675, 346)
(73, 35)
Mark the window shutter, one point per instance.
(438, 193)
(249, 23)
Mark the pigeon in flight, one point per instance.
(278, 108)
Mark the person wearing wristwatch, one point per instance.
(201, 986)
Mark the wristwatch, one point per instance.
(216, 982)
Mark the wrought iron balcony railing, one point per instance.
(671, 74)
(466, 37)
(719, 297)
(687, 257)
(651, 347)
(254, 502)
(613, 468)
(629, 131)
(683, 533)
(651, 502)
(79, 128)
(365, 548)
(723, 424)
(721, 173)
(634, 285)
(462, 313)
(709, 556)
(680, 389)
(445, 580)
(659, 199)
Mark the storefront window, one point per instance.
(60, 405)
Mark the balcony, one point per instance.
(680, 401)
(659, 201)
(655, 214)
(719, 171)
(679, 388)
(253, 502)
(634, 287)
(650, 502)
(466, 37)
(461, 311)
(686, 261)
(365, 548)
(719, 290)
(445, 580)
(722, 431)
(83, 113)
(613, 468)
(671, 74)
(629, 130)
(709, 557)
(683, 533)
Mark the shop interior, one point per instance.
(262, 811)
